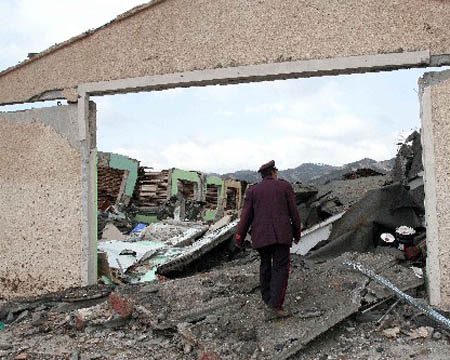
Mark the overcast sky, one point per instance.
(331, 120)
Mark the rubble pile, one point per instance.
(408, 162)
(408, 168)
(123, 218)
(160, 248)
(317, 203)
(359, 173)
(380, 211)
(215, 315)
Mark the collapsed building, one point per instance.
(150, 196)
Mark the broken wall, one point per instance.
(131, 166)
(40, 201)
(192, 177)
(214, 196)
(435, 114)
(170, 36)
(232, 194)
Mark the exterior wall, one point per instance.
(171, 36)
(40, 202)
(435, 114)
(210, 214)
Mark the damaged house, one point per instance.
(116, 178)
(185, 195)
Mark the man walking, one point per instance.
(270, 210)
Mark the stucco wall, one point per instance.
(184, 35)
(40, 201)
(435, 89)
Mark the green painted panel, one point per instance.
(146, 219)
(182, 175)
(214, 180)
(121, 162)
(210, 215)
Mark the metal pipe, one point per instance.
(426, 310)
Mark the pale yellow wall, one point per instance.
(40, 202)
(436, 123)
(184, 35)
(229, 183)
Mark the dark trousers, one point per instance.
(274, 273)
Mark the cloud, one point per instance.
(318, 126)
(231, 154)
(268, 107)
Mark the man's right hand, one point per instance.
(238, 238)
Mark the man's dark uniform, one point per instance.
(270, 210)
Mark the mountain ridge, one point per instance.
(316, 172)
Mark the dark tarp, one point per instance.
(380, 210)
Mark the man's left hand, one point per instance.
(238, 238)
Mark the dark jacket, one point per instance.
(270, 210)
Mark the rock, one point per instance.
(208, 356)
(10, 317)
(22, 316)
(392, 332)
(437, 335)
(187, 348)
(120, 305)
(422, 332)
(75, 355)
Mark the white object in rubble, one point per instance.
(417, 271)
(113, 249)
(312, 236)
(111, 232)
(387, 238)
(405, 230)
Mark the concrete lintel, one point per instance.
(428, 159)
(275, 71)
(440, 60)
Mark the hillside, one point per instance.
(316, 173)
